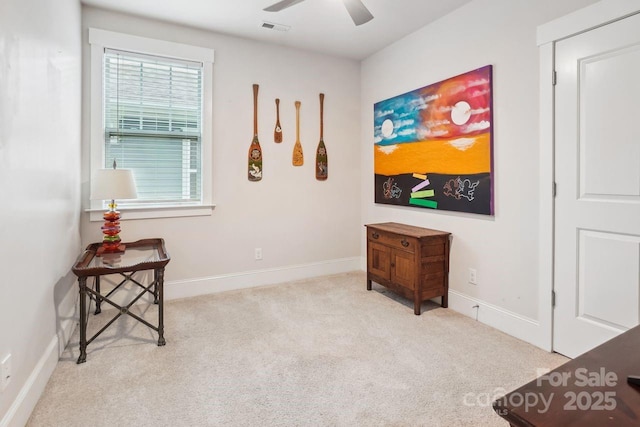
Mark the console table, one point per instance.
(412, 261)
(590, 390)
(148, 254)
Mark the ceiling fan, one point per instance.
(357, 10)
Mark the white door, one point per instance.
(597, 171)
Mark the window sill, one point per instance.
(149, 212)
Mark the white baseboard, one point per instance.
(251, 279)
(506, 321)
(23, 405)
(32, 389)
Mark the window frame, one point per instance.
(99, 40)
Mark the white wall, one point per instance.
(503, 248)
(295, 219)
(39, 190)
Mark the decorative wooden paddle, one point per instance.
(322, 165)
(255, 152)
(277, 133)
(298, 157)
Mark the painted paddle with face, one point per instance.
(277, 133)
(255, 152)
(322, 165)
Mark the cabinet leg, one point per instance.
(445, 300)
(416, 307)
(368, 284)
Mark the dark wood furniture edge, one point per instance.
(512, 418)
(398, 228)
(80, 269)
(618, 355)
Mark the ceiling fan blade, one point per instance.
(358, 11)
(277, 7)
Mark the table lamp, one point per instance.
(112, 184)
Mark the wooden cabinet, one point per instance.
(412, 261)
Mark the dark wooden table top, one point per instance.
(143, 254)
(590, 390)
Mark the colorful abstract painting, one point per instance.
(433, 146)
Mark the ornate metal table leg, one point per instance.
(82, 281)
(98, 300)
(160, 285)
(155, 286)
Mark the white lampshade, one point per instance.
(112, 184)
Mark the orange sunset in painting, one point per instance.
(433, 146)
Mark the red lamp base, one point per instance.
(111, 230)
(105, 250)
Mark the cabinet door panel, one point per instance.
(403, 268)
(379, 260)
(429, 250)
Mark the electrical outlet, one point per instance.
(473, 276)
(258, 253)
(5, 372)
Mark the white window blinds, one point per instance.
(152, 119)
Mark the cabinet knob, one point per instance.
(404, 242)
(375, 235)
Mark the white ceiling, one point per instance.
(317, 25)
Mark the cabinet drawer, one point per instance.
(391, 239)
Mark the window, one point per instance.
(152, 118)
(149, 98)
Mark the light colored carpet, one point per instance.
(320, 352)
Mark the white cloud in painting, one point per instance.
(479, 111)
(434, 123)
(415, 103)
(431, 98)
(377, 139)
(473, 127)
(462, 144)
(407, 132)
(444, 109)
(402, 123)
(427, 100)
(478, 82)
(457, 89)
(479, 93)
(387, 149)
(383, 113)
(422, 103)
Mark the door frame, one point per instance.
(597, 15)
